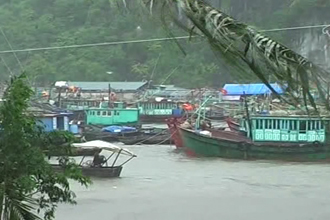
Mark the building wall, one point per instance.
(46, 122)
(52, 123)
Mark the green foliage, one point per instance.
(36, 23)
(28, 183)
(51, 23)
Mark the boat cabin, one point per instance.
(112, 116)
(288, 129)
(158, 108)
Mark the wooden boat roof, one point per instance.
(103, 145)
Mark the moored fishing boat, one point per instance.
(294, 138)
(99, 167)
(118, 114)
(175, 123)
(109, 133)
(150, 135)
(147, 139)
(158, 110)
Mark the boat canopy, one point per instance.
(252, 89)
(104, 146)
(118, 129)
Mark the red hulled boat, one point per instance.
(173, 125)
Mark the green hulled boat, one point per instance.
(294, 138)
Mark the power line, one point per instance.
(296, 28)
(143, 40)
(94, 45)
(8, 42)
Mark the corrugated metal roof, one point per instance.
(46, 108)
(251, 89)
(168, 87)
(172, 93)
(125, 86)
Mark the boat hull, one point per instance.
(173, 125)
(154, 118)
(239, 147)
(101, 172)
(147, 139)
(106, 136)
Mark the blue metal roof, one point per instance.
(251, 89)
(125, 86)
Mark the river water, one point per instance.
(162, 184)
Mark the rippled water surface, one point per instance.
(162, 184)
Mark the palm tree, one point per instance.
(243, 47)
(28, 184)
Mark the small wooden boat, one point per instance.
(148, 136)
(98, 133)
(102, 169)
(147, 139)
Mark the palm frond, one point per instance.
(244, 48)
(18, 207)
(237, 42)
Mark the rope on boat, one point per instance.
(170, 137)
(141, 142)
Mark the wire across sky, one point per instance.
(142, 40)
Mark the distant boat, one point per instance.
(153, 111)
(118, 115)
(102, 169)
(151, 136)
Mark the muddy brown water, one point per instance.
(163, 184)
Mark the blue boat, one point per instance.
(119, 129)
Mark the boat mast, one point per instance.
(247, 115)
(109, 95)
(198, 111)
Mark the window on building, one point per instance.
(302, 126)
(294, 125)
(269, 124)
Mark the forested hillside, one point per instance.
(51, 23)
